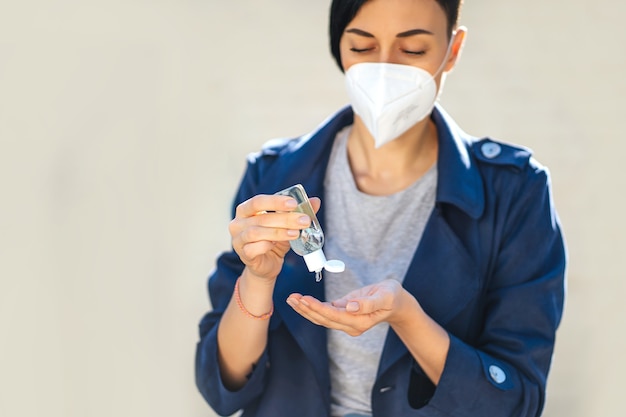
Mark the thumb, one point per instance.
(366, 305)
(353, 307)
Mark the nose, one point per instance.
(386, 56)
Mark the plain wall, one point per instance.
(124, 127)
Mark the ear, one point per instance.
(458, 41)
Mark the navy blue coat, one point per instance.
(489, 269)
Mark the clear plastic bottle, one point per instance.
(311, 240)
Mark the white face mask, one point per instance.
(390, 98)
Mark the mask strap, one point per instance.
(445, 59)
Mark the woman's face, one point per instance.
(408, 32)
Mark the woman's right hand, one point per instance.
(262, 229)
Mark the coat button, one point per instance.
(497, 374)
(491, 150)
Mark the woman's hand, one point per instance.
(262, 229)
(387, 301)
(358, 311)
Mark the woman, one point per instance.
(453, 287)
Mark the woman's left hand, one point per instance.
(357, 311)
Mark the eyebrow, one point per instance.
(413, 32)
(406, 34)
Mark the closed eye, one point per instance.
(357, 50)
(414, 52)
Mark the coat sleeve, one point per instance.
(505, 373)
(221, 285)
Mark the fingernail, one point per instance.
(291, 203)
(303, 302)
(304, 220)
(291, 302)
(294, 233)
(352, 306)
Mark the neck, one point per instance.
(395, 165)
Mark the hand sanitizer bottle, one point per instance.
(309, 244)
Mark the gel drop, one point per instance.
(311, 240)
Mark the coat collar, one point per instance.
(459, 182)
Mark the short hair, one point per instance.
(343, 11)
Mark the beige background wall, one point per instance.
(124, 126)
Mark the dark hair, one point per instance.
(343, 11)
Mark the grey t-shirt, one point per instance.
(376, 237)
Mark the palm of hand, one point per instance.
(356, 312)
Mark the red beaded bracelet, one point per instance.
(245, 311)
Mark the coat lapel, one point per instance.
(310, 337)
(442, 277)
